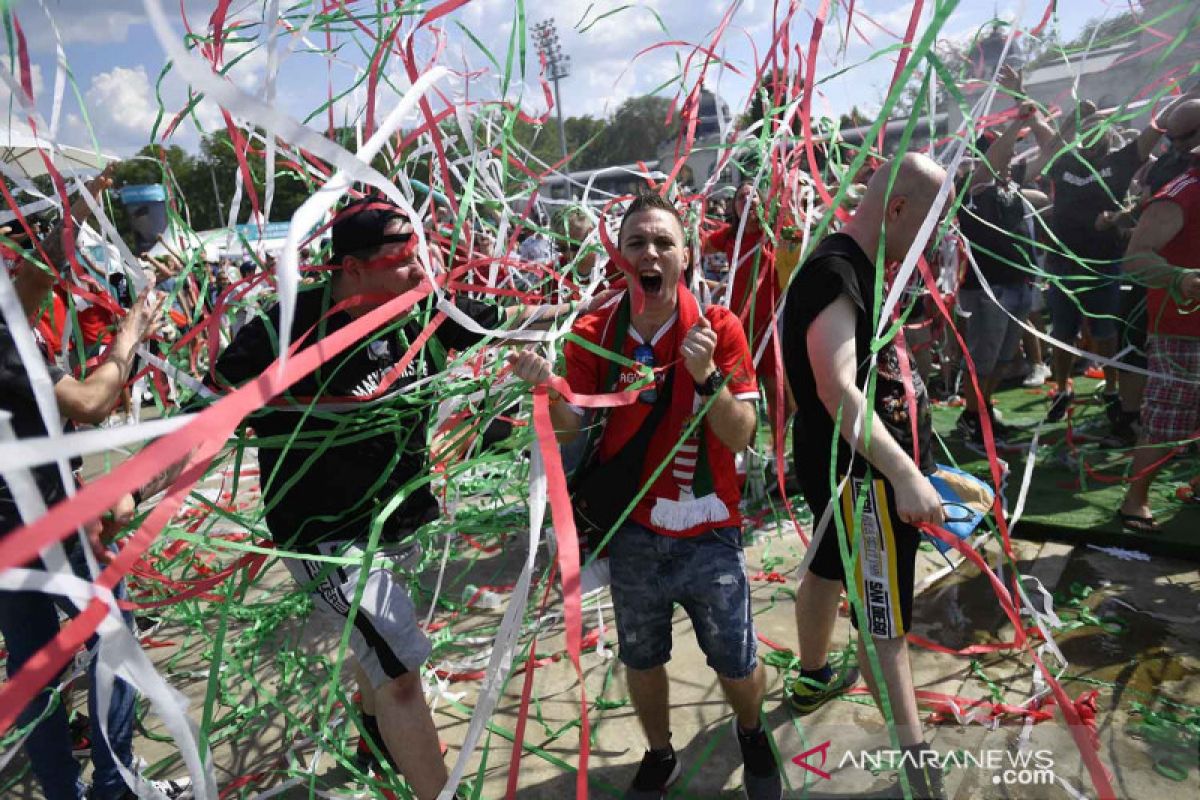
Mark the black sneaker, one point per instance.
(967, 425)
(971, 431)
(178, 789)
(760, 775)
(657, 772)
(364, 757)
(925, 782)
(806, 695)
(1060, 402)
(1127, 429)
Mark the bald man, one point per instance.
(828, 332)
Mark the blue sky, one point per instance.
(115, 58)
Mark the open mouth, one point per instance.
(651, 282)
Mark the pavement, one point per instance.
(278, 725)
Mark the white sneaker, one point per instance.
(1037, 376)
(175, 789)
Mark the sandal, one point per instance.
(1135, 523)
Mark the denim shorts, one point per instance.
(705, 574)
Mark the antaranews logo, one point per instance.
(1011, 768)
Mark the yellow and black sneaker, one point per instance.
(806, 695)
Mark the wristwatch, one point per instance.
(710, 385)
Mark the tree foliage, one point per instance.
(200, 186)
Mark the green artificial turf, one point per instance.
(1077, 485)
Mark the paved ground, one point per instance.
(1129, 633)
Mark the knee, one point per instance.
(404, 690)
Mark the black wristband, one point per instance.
(711, 384)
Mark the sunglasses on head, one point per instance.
(396, 238)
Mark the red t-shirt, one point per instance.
(752, 252)
(1164, 317)
(673, 493)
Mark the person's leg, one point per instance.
(896, 671)
(745, 696)
(28, 621)
(365, 689)
(389, 649)
(643, 611)
(1132, 386)
(974, 401)
(886, 568)
(1030, 342)
(817, 601)
(1132, 389)
(1170, 415)
(710, 582)
(649, 691)
(411, 737)
(643, 608)
(986, 332)
(1137, 497)
(1065, 321)
(107, 782)
(709, 579)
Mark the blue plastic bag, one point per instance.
(966, 500)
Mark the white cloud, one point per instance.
(122, 109)
(124, 100)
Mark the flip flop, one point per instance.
(1135, 523)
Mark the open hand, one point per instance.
(1011, 80)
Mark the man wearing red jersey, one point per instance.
(754, 293)
(682, 542)
(1164, 255)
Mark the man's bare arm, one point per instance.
(832, 354)
(1159, 224)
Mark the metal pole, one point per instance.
(562, 131)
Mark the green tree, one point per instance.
(637, 129)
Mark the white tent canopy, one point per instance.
(21, 152)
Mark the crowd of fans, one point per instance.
(1070, 241)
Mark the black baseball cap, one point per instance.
(360, 226)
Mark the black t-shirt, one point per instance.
(1082, 192)
(329, 465)
(992, 219)
(16, 397)
(838, 266)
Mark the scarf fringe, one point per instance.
(679, 515)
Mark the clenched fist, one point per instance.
(697, 350)
(530, 367)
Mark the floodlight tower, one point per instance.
(558, 66)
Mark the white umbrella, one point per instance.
(21, 152)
